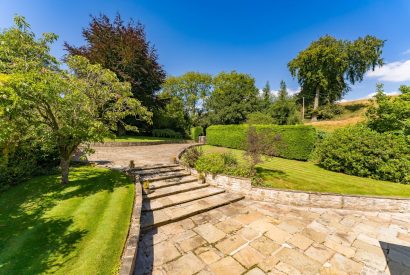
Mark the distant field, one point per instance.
(139, 139)
(307, 176)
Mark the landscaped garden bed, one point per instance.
(288, 174)
(79, 228)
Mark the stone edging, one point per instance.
(129, 253)
(300, 198)
(133, 143)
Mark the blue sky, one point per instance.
(255, 37)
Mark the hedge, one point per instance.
(196, 132)
(297, 141)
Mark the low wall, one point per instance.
(129, 253)
(126, 144)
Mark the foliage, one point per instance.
(172, 115)
(329, 111)
(123, 48)
(325, 69)
(62, 108)
(297, 142)
(191, 156)
(169, 133)
(225, 163)
(47, 228)
(390, 114)
(266, 96)
(196, 132)
(259, 118)
(307, 176)
(192, 88)
(284, 109)
(234, 97)
(363, 152)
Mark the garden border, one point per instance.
(129, 253)
(304, 198)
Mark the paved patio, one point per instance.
(249, 237)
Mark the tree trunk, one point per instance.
(315, 105)
(64, 165)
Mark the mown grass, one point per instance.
(139, 139)
(75, 229)
(307, 176)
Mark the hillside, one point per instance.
(353, 112)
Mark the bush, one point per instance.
(259, 118)
(329, 111)
(25, 161)
(360, 151)
(297, 141)
(196, 132)
(191, 155)
(222, 163)
(166, 133)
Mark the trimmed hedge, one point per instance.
(166, 133)
(297, 141)
(196, 132)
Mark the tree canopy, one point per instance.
(233, 98)
(65, 108)
(326, 68)
(284, 109)
(124, 49)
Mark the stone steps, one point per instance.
(173, 181)
(175, 189)
(154, 166)
(182, 211)
(160, 203)
(154, 171)
(164, 176)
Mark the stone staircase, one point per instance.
(175, 195)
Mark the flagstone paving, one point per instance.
(249, 237)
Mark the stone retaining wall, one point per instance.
(126, 144)
(300, 198)
(129, 253)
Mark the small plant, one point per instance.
(132, 164)
(191, 156)
(145, 186)
(174, 160)
(201, 177)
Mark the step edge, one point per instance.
(199, 186)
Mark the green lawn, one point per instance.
(139, 139)
(75, 229)
(306, 176)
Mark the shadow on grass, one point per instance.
(355, 107)
(34, 236)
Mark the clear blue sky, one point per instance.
(255, 37)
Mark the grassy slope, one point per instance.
(139, 139)
(75, 229)
(306, 176)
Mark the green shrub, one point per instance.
(166, 133)
(329, 111)
(297, 141)
(360, 151)
(190, 156)
(259, 118)
(222, 163)
(196, 132)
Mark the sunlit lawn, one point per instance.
(75, 229)
(307, 176)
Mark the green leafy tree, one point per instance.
(326, 68)
(390, 114)
(192, 88)
(284, 109)
(233, 98)
(65, 108)
(124, 49)
(266, 96)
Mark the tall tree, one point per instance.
(284, 109)
(64, 108)
(326, 68)
(123, 48)
(192, 88)
(266, 96)
(233, 98)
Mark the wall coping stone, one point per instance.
(134, 143)
(130, 250)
